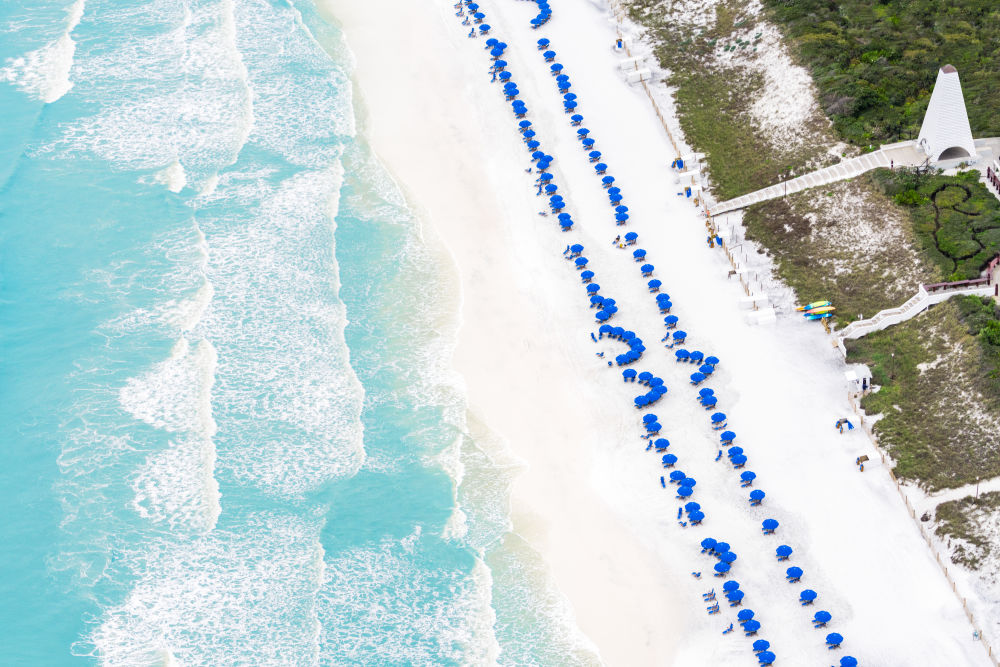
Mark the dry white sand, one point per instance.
(590, 499)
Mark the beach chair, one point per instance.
(719, 456)
(709, 596)
(714, 609)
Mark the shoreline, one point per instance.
(593, 559)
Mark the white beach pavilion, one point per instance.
(945, 133)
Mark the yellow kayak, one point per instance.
(820, 310)
(814, 304)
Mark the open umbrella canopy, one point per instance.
(756, 494)
(684, 491)
(769, 524)
(721, 547)
(697, 356)
(639, 253)
(735, 596)
(746, 615)
(784, 551)
(556, 68)
(587, 275)
(670, 320)
(752, 626)
(615, 190)
(669, 459)
(602, 316)
(594, 155)
(656, 382)
(822, 617)
(654, 284)
(593, 288)
(834, 639)
(691, 506)
(679, 335)
(600, 167)
(543, 43)
(596, 300)
(689, 481)
(646, 268)
(708, 543)
(707, 369)
(581, 261)
(576, 118)
(793, 572)
(631, 236)
(562, 77)
(677, 476)
(760, 644)
(848, 661)
(808, 595)
(722, 568)
(653, 427)
(645, 376)
(748, 476)
(533, 144)
(628, 372)
(696, 516)
(681, 355)
(565, 216)
(732, 585)
(739, 460)
(718, 417)
(697, 377)
(661, 444)
(766, 657)
(728, 557)
(576, 247)
(549, 54)
(504, 76)
(582, 132)
(734, 451)
(727, 436)
(706, 392)
(608, 180)
(624, 209)
(712, 360)
(588, 142)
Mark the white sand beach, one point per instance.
(590, 499)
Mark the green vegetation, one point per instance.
(938, 403)
(875, 63)
(955, 217)
(713, 98)
(981, 317)
(824, 250)
(963, 520)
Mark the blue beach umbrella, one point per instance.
(549, 55)
(708, 544)
(748, 477)
(793, 573)
(588, 142)
(677, 476)
(761, 645)
(691, 506)
(705, 392)
(542, 43)
(570, 97)
(834, 640)
(594, 156)
(631, 236)
(727, 437)
(783, 552)
(751, 627)
(744, 616)
(731, 585)
(848, 661)
(593, 288)
(669, 460)
(722, 568)
(661, 444)
(718, 416)
(807, 596)
(587, 275)
(646, 268)
(649, 417)
(766, 658)
(581, 261)
(614, 191)
(756, 495)
(735, 596)
(670, 320)
(601, 168)
(712, 360)
(556, 68)
(721, 547)
(576, 118)
(697, 378)
(822, 617)
(696, 517)
(769, 525)
(684, 491)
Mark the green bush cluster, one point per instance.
(875, 63)
(955, 217)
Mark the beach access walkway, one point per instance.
(903, 154)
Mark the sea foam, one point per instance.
(44, 73)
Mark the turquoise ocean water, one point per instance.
(229, 430)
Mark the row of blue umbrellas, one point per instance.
(544, 14)
(586, 141)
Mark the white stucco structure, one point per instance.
(945, 133)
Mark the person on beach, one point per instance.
(617, 240)
(494, 76)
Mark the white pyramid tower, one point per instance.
(945, 134)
